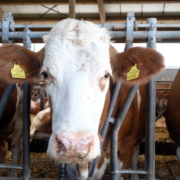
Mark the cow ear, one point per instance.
(137, 65)
(18, 64)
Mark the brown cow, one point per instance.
(173, 113)
(76, 67)
(6, 121)
(162, 96)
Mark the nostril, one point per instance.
(60, 147)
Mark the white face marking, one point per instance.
(98, 173)
(76, 58)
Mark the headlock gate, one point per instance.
(130, 32)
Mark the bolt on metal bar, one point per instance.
(26, 136)
(6, 97)
(115, 129)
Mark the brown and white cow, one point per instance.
(40, 119)
(6, 121)
(76, 67)
(173, 113)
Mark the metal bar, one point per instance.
(113, 34)
(150, 110)
(161, 82)
(26, 125)
(10, 166)
(106, 25)
(116, 127)
(15, 178)
(132, 171)
(6, 97)
(163, 88)
(116, 88)
(160, 114)
(41, 100)
(62, 175)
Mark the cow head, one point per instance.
(76, 67)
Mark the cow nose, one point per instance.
(68, 146)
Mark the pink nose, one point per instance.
(74, 147)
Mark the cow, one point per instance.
(172, 114)
(7, 119)
(40, 119)
(77, 63)
(162, 96)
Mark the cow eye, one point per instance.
(45, 74)
(106, 75)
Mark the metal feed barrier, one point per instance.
(130, 32)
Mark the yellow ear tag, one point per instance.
(133, 73)
(17, 72)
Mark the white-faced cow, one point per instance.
(77, 63)
(173, 113)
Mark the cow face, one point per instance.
(76, 66)
(76, 72)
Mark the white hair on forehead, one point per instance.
(77, 30)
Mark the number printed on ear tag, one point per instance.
(17, 72)
(133, 73)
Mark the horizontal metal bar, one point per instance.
(160, 82)
(10, 166)
(113, 34)
(106, 25)
(163, 89)
(131, 171)
(18, 178)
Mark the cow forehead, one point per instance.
(74, 46)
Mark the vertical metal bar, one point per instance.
(26, 114)
(26, 124)
(42, 100)
(118, 122)
(62, 175)
(6, 97)
(127, 103)
(151, 102)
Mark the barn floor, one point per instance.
(167, 166)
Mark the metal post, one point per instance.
(7, 22)
(6, 97)
(151, 102)
(113, 143)
(41, 100)
(26, 115)
(26, 125)
(62, 175)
